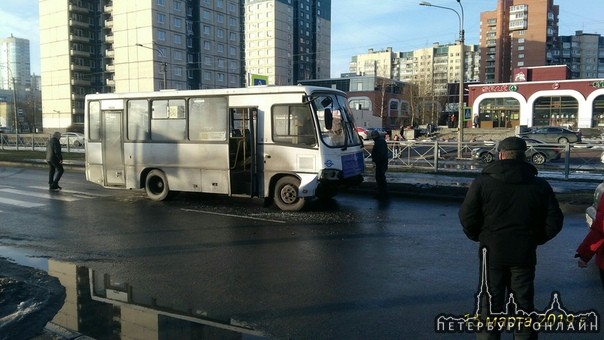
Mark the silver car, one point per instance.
(552, 134)
(72, 138)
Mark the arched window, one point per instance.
(598, 112)
(499, 112)
(556, 111)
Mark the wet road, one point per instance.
(349, 269)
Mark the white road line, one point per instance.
(73, 191)
(52, 196)
(17, 203)
(232, 215)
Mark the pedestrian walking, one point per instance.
(593, 243)
(54, 158)
(510, 211)
(379, 156)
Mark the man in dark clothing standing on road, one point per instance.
(54, 158)
(510, 211)
(379, 156)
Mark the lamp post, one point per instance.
(163, 63)
(460, 122)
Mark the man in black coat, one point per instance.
(54, 158)
(379, 156)
(510, 211)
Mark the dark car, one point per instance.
(537, 152)
(552, 134)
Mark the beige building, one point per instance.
(430, 69)
(288, 40)
(90, 46)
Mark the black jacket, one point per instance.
(510, 211)
(53, 150)
(379, 153)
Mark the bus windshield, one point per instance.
(335, 120)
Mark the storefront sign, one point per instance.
(598, 84)
(500, 88)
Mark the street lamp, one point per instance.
(460, 113)
(163, 63)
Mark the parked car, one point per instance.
(382, 131)
(537, 152)
(552, 134)
(72, 138)
(363, 133)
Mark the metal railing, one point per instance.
(34, 142)
(571, 160)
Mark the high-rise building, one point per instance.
(288, 40)
(519, 33)
(90, 46)
(430, 69)
(14, 64)
(583, 53)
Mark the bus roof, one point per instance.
(216, 92)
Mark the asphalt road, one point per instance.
(354, 268)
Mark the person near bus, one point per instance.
(593, 243)
(54, 158)
(379, 156)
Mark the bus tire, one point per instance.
(286, 194)
(156, 185)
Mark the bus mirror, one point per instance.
(328, 119)
(326, 102)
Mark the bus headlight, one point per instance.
(330, 175)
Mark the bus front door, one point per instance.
(242, 151)
(113, 151)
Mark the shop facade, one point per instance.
(574, 104)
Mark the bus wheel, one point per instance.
(286, 194)
(156, 185)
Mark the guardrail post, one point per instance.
(566, 160)
(436, 152)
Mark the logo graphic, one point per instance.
(554, 319)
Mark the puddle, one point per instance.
(99, 306)
(24, 258)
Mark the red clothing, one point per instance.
(592, 244)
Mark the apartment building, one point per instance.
(90, 46)
(288, 40)
(518, 33)
(19, 91)
(583, 53)
(430, 69)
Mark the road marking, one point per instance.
(232, 215)
(83, 193)
(53, 196)
(22, 204)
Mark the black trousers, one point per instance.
(55, 167)
(503, 280)
(380, 178)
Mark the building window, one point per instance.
(161, 18)
(177, 22)
(177, 39)
(161, 35)
(161, 2)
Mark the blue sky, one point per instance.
(358, 25)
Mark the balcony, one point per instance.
(110, 82)
(75, 96)
(108, 8)
(80, 82)
(110, 68)
(109, 23)
(78, 8)
(80, 68)
(109, 38)
(78, 53)
(78, 38)
(109, 53)
(78, 23)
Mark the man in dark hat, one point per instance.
(510, 211)
(54, 158)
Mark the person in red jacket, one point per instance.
(593, 242)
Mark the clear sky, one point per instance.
(358, 25)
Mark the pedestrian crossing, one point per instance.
(39, 196)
